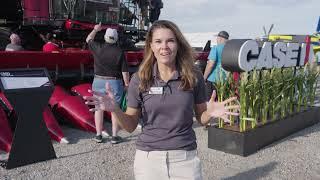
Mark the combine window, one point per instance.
(93, 11)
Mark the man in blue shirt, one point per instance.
(214, 72)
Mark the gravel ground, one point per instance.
(295, 157)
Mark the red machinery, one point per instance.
(70, 20)
(71, 64)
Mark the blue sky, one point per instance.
(243, 18)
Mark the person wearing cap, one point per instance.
(214, 72)
(110, 66)
(15, 43)
(51, 43)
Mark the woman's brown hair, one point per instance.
(184, 59)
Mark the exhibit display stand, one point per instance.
(28, 91)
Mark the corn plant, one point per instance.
(265, 92)
(274, 89)
(245, 103)
(254, 97)
(266, 95)
(300, 88)
(312, 75)
(288, 79)
(231, 88)
(222, 90)
(248, 101)
(226, 87)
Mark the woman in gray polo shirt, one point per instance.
(165, 92)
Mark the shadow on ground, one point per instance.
(255, 173)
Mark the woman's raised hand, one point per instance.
(222, 109)
(101, 101)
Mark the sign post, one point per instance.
(28, 91)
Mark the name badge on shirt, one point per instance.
(156, 90)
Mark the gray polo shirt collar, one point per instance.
(156, 74)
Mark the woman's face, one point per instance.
(164, 46)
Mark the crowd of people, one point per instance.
(50, 43)
(164, 95)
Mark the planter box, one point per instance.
(251, 141)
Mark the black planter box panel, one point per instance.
(251, 141)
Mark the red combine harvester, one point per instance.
(71, 21)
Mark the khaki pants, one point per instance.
(167, 165)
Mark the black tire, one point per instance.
(4, 38)
(30, 40)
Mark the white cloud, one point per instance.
(243, 18)
(200, 39)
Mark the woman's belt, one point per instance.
(106, 77)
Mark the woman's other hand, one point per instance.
(222, 109)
